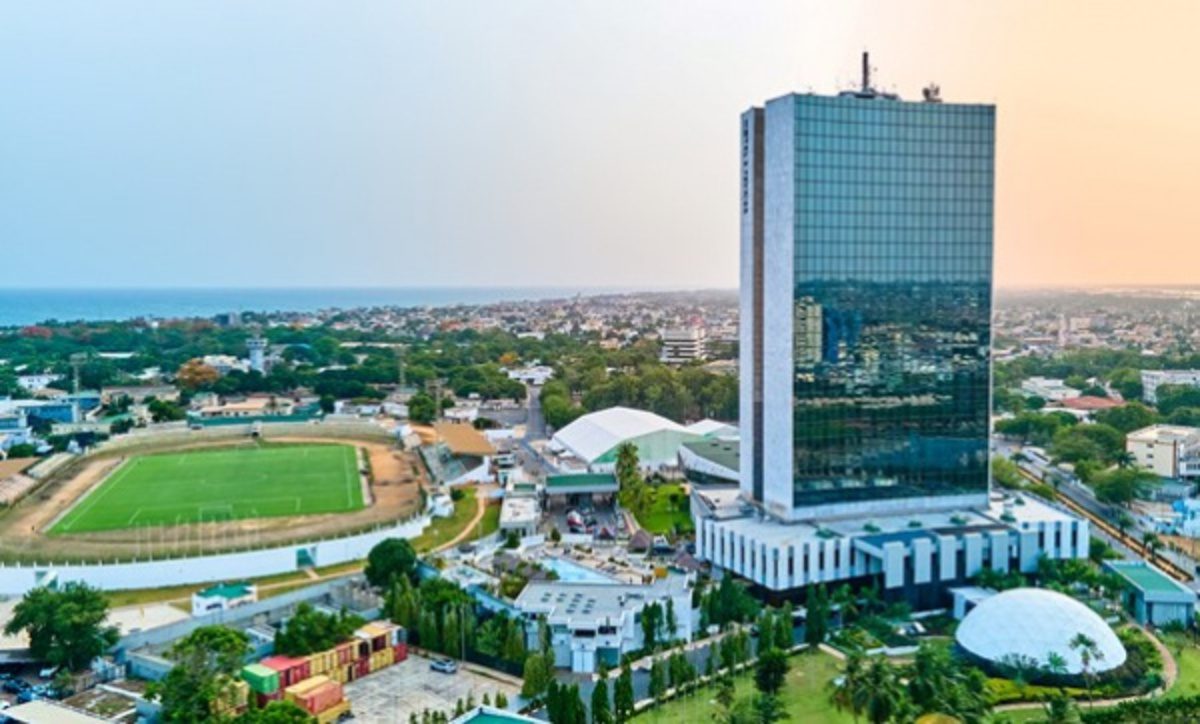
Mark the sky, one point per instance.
(549, 143)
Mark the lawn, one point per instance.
(668, 510)
(1188, 659)
(490, 522)
(442, 530)
(222, 484)
(805, 695)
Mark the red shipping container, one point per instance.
(401, 652)
(264, 699)
(291, 670)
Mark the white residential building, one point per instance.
(683, 345)
(1049, 389)
(1170, 451)
(598, 621)
(1153, 379)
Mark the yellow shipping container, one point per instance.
(297, 691)
(233, 699)
(322, 661)
(338, 674)
(382, 659)
(332, 713)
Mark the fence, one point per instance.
(17, 579)
(274, 609)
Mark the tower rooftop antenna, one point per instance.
(866, 72)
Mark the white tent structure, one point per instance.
(595, 437)
(1030, 624)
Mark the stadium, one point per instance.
(229, 488)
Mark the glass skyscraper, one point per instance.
(866, 304)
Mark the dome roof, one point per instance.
(1032, 623)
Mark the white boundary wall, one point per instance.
(15, 580)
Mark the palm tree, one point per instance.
(1061, 710)
(847, 691)
(883, 695)
(1089, 652)
(1056, 664)
(1125, 459)
(1153, 543)
(1123, 522)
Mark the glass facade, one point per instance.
(891, 299)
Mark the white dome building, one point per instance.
(1032, 623)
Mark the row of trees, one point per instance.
(934, 683)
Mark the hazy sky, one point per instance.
(551, 143)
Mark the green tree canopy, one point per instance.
(66, 627)
(389, 560)
(310, 630)
(206, 665)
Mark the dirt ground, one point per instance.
(397, 477)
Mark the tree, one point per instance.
(389, 560)
(310, 630)
(770, 671)
(501, 700)
(1152, 543)
(848, 692)
(816, 623)
(422, 408)
(206, 663)
(276, 712)
(883, 695)
(1127, 418)
(671, 623)
(601, 711)
(1123, 486)
(537, 675)
(66, 627)
(1089, 653)
(768, 709)
(623, 700)
(658, 679)
(1060, 709)
(725, 699)
(194, 375)
(651, 622)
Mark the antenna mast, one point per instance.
(866, 71)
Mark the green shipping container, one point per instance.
(261, 679)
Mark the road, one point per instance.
(1081, 495)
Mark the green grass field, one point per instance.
(222, 484)
(805, 696)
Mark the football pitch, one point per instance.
(218, 485)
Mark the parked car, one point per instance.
(446, 666)
(15, 686)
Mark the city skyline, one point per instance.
(348, 149)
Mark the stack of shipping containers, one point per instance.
(312, 680)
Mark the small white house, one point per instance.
(223, 597)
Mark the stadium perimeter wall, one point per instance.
(159, 437)
(15, 580)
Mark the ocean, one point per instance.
(29, 306)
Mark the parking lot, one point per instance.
(410, 687)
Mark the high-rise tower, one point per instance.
(866, 295)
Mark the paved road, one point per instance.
(1082, 495)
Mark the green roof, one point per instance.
(227, 590)
(719, 452)
(580, 480)
(490, 715)
(1144, 577)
